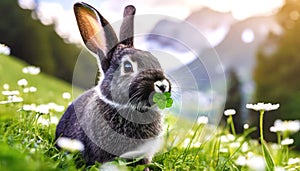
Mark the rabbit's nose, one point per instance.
(162, 86)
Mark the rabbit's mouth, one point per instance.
(143, 103)
(140, 104)
(143, 87)
(142, 109)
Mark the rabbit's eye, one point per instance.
(127, 67)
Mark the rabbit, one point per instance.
(117, 117)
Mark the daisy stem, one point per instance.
(278, 138)
(232, 125)
(261, 125)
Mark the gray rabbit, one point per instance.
(116, 118)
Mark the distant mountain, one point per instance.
(233, 51)
(211, 25)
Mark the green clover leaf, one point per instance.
(163, 100)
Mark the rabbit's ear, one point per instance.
(95, 30)
(127, 27)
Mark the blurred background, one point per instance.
(257, 42)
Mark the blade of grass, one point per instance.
(215, 153)
(267, 155)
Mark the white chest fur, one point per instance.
(148, 149)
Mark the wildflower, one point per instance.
(278, 168)
(42, 109)
(275, 129)
(191, 132)
(32, 150)
(186, 142)
(245, 147)
(4, 49)
(197, 144)
(224, 150)
(262, 106)
(285, 126)
(202, 120)
(66, 95)
(22, 82)
(32, 89)
(235, 145)
(29, 107)
(15, 99)
(249, 154)
(241, 161)
(12, 99)
(10, 93)
(110, 167)
(47, 122)
(26, 90)
(29, 89)
(71, 145)
(54, 120)
(275, 146)
(31, 70)
(55, 107)
(5, 86)
(293, 161)
(43, 121)
(227, 138)
(256, 163)
(3, 102)
(287, 141)
(246, 126)
(59, 108)
(229, 112)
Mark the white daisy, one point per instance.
(69, 144)
(31, 70)
(29, 107)
(241, 161)
(256, 163)
(202, 120)
(10, 93)
(229, 112)
(263, 106)
(287, 141)
(66, 95)
(246, 126)
(22, 82)
(291, 126)
(5, 86)
(293, 161)
(4, 49)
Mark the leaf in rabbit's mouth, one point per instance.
(163, 100)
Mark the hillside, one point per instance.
(49, 89)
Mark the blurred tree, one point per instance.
(35, 43)
(277, 71)
(234, 99)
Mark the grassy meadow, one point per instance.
(31, 108)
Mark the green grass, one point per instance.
(26, 144)
(49, 88)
